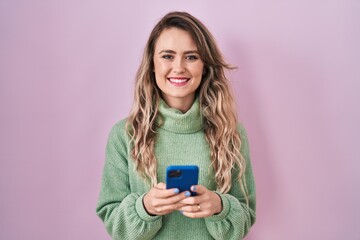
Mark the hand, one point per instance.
(161, 201)
(205, 204)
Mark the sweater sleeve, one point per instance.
(121, 210)
(236, 218)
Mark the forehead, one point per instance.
(175, 39)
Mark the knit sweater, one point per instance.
(180, 140)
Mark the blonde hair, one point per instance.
(216, 102)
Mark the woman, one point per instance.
(183, 114)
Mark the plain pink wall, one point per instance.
(66, 76)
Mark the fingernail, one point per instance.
(176, 190)
(193, 188)
(187, 193)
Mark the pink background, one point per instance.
(67, 71)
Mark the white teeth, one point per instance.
(178, 80)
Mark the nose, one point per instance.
(178, 66)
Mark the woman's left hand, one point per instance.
(205, 204)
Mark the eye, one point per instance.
(192, 57)
(167, 56)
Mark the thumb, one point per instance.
(199, 189)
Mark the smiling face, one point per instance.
(178, 68)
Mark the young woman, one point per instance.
(183, 114)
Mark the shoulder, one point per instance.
(119, 125)
(241, 131)
(244, 147)
(118, 130)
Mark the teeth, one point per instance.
(178, 80)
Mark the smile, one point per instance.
(178, 81)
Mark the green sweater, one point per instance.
(180, 141)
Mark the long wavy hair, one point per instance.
(216, 103)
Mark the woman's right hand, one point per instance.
(161, 201)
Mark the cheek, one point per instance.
(198, 70)
(159, 63)
(161, 68)
(160, 73)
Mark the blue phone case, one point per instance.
(182, 177)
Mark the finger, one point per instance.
(177, 198)
(164, 209)
(192, 200)
(161, 206)
(190, 208)
(166, 193)
(200, 214)
(199, 189)
(162, 192)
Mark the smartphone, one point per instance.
(182, 177)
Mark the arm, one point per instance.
(236, 217)
(121, 210)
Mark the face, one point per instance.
(178, 68)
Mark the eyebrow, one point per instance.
(173, 52)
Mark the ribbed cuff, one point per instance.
(140, 209)
(225, 211)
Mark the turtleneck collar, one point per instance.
(173, 120)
